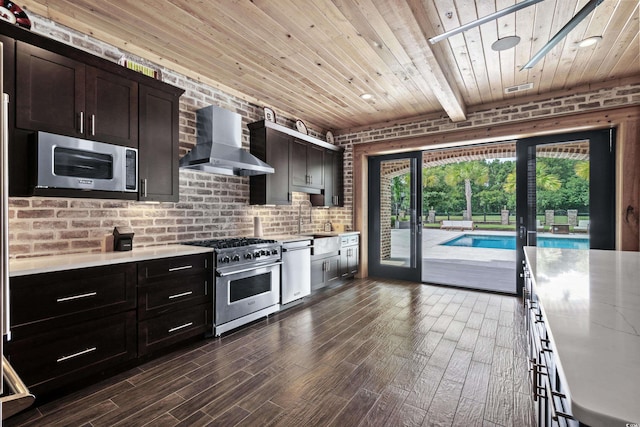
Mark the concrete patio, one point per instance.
(477, 268)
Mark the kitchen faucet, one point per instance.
(300, 221)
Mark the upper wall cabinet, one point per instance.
(158, 149)
(306, 162)
(65, 96)
(302, 163)
(63, 90)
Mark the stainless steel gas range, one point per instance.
(247, 280)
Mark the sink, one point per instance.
(323, 244)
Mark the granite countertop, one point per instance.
(591, 303)
(47, 264)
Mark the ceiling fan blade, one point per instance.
(480, 21)
(586, 10)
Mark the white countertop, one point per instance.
(591, 302)
(47, 264)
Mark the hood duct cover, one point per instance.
(219, 146)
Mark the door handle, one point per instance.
(522, 232)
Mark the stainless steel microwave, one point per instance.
(79, 164)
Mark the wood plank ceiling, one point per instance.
(313, 59)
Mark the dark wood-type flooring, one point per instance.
(372, 352)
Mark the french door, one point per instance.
(597, 150)
(395, 216)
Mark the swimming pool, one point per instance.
(509, 242)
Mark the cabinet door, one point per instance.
(158, 145)
(51, 91)
(332, 271)
(315, 166)
(354, 260)
(298, 164)
(337, 179)
(112, 108)
(317, 274)
(332, 193)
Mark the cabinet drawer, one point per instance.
(164, 268)
(92, 291)
(350, 240)
(173, 327)
(174, 293)
(56, 358)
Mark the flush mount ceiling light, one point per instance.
(589, 41)
(586, 10)
(366, 96)
(477, 22)
(505, 43)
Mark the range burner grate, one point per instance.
(230, 242)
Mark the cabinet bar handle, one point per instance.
(143, 185)
(184, 267)
(554, 412)
(80, 353)
(184, 294)
(93, 124)
(177, 328)
(81, 121)
(87, 295)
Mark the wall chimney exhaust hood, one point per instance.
(219, 146)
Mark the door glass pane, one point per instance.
(562, 195)
(395, 213)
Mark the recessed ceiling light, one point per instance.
(505, 43)
(366, 96)
(589, 41)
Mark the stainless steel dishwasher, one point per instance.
(296, 271)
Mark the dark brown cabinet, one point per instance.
(332, 194)
(64, 96)
(158, 146)
(271, 147)
(325, 270)
(349, 255)
(175, 301)
(306, 170)
(69, 325)
(302, 163)
(60, 89)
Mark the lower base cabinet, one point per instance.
(75, 326)
(172, 328)
(324, 271)
(54, 359)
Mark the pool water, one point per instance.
(509, 242)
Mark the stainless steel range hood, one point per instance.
(219, 146)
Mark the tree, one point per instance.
(467, 172)
(582, 170)
(547, 185)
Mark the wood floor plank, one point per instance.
(231, 417)
(356, 409)
(388, 402)
(443, 406)
(370, 353)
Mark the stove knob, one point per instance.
(263, 252)
(256, 254)
(274, 252)
(248, 255)
(225, 259)
(235, 258)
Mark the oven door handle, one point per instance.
(255, 267)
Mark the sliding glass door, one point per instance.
(395, 216)
(565, 192)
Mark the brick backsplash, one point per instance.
(215, 206)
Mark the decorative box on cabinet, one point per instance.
(69, 325)
(175, 301)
